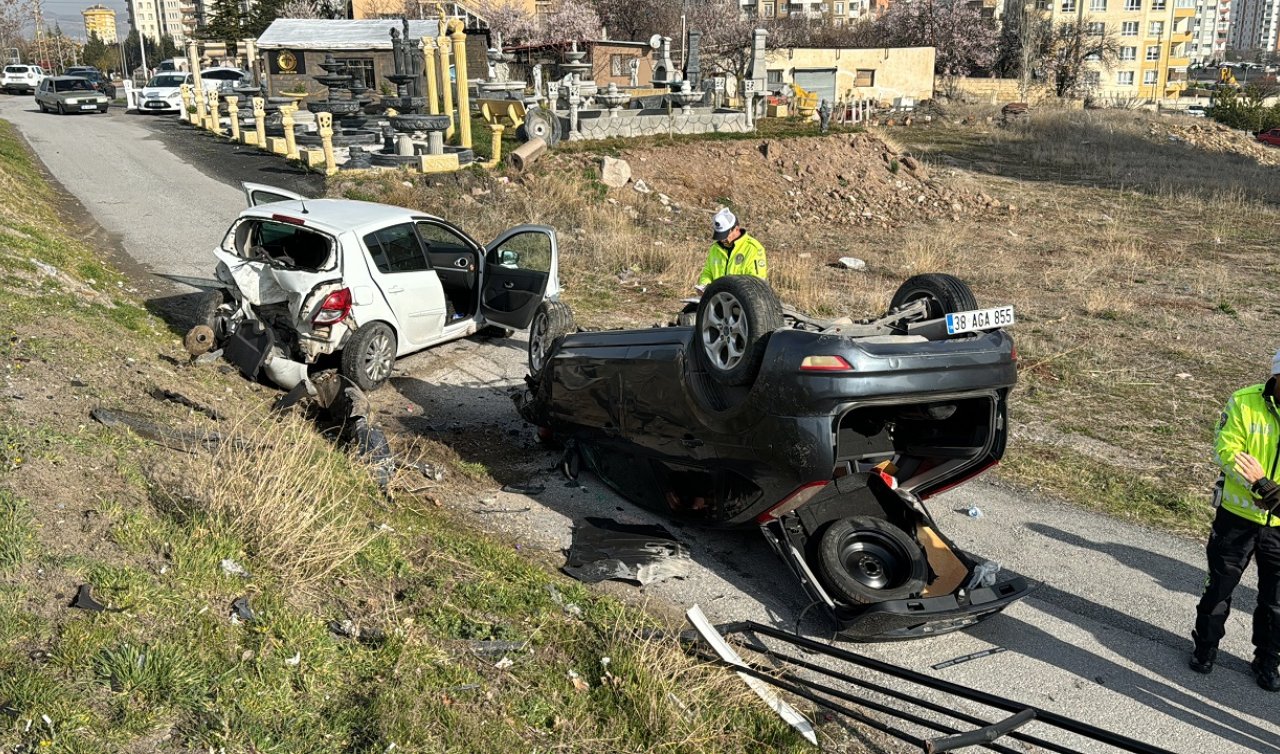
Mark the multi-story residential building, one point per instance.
(156, 18)
(1153, 35)
(1210, 28)
(100, 21)
(1255, 26)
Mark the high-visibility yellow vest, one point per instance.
(1250, 424)
(747, 258)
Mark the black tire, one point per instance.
(688, 316)
(735, 318)
(945, 294)
(865, 560)
(553, 320)
(61, 110)
(207, 312)
(369, 355)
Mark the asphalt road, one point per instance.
(1104, 640)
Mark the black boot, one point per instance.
(1202, 656)
(1266, 670)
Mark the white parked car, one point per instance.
(223, 79)
(20, 78)
(163, 93)
(299, 279)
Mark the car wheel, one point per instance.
(866, 560)
(688, 316)
(368, 356)
(553, 320)
(61, 110)
(735, 317)
(214, 309)
(945, 294)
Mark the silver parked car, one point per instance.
(70, 94)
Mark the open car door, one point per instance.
(257, 193)
(520, 269)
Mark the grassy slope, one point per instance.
(148, 527)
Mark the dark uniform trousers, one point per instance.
(1233, 542)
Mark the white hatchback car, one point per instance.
(163, 93)
(303, 278)
(18, 78)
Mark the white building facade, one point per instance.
(156, 18)
(1255, 25)
(1210, 30)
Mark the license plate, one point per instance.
(979, 319)
(88, 107)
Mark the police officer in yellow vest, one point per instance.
(1247, 524)
(733, 251)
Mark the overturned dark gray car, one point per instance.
(827, 435)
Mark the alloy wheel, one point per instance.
(537, 342)
(724, 331)
(378, 357)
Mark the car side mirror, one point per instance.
(508, 258)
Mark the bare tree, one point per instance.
(1072, 48)
(962, 39)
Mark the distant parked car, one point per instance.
(19, 79)
(163, 93)
(1270, 136)
(69, 94)
(95, 77)
(1197, 111)
(223, 79)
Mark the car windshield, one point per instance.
(222, 75)
(168, 79)
(72, 85)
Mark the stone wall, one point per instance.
(630, 123)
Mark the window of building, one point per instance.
(769, 10)
(1129, 29)
(1156, 29)
(839, 9)
(1093, 78)
(1042, 4)
(1124, 78)
(1153, 52)
(1149, 77)
(1128, 53)
(620, 65)
(1133, 4)
(1092, 57)
(1098, 5)
(1159, 4)
(361, 69)
(1096, 28)
(1068, 6)
(864, 77)
(773, 79)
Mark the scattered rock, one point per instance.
(641, 186)
(615, 173)
(851, 263)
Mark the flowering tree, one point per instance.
(962, 39)
(572, 21)
(638, 20)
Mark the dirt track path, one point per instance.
(1104, 640)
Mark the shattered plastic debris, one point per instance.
(643, 554)
(205, 359)
(984, 574)
(524, 489)
(971, 656)
(295, 660)
(232, 568)
(149, 429)
(161, 394)
(504, 663)
(84, 601)
(240, 610)
(974, 511)
(569, 608)
(348, 629)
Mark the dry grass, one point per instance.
(297, 503)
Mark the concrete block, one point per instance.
(438, 163)
(249, 137)
(276, 144)
(312, 158)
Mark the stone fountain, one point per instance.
(686, 98)
(343, 103)
(613, 98)
(499, 84)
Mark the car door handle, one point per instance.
(395, 289)
(508, 285)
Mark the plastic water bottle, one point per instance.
(975, 511)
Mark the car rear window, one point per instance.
(222, 75)
(16, 69)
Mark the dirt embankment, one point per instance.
(855, 180)
(1212, 136)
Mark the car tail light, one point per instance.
(796, 499)
(960, 480)
(288, 219)
(825, 364)
(336, 307)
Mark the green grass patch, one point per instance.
(16, 536)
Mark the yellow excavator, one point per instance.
(1227, 76)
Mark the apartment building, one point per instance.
(100, 21)
(1210, 28)
(1255, 25)
(1154, 38)
(156, 18)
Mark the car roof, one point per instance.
(337, 215)
(68, 78)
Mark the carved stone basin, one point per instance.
(409, 122)
(612, 98)
(337, 107)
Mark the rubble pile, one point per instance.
(1215, 137)
(846, 180)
